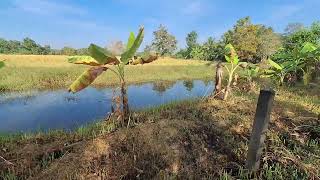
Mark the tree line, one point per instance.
(29, 46)
(253, 43)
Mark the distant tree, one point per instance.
(192, 43)
(293, 27)
(68, 51)
(83, 51)
(116, 47)
(297, 39)
(148, 48)
(269, 42)
(46, 50)
(213, 50)
(30, 46)
(181, 54)
(252, 42)
(163, 42)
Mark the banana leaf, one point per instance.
(125, 57)
(87, 60)
(86, 78)
(102, 56)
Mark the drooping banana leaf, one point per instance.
(274, 64)
(87, 60)
(102, 55)
(86, 78)
(125, 57)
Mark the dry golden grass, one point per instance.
(24, 72)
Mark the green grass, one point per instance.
(24, 72)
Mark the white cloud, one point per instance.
(45, 7)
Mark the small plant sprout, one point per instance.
(102, 60)
(232, 59)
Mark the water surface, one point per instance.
(44, 110)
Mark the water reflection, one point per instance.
(188, 84)
(60, 109)
(162, 86)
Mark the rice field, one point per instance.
(25, 72)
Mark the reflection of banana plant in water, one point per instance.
(161, 87)
(188, 84)
(232, 59)
(102, 60)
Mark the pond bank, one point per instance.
(200, 138)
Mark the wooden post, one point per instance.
(260, 126)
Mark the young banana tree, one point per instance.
(279, 71)
(309, 57)
(102, 60)
(232, 59)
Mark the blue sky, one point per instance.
(78, 23)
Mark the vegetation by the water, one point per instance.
(24, 72)
(199, 138)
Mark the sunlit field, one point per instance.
(25, 72)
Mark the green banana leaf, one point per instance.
(130, 40)
(236, 60)
(86, 78)
(227, 58)
(125, 57)
(308, 47)
(87, 60)
(102, 56)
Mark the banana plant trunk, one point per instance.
(218, 79)
(125, 104)
(228, 89)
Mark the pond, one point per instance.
(45, 110)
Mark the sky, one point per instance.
(77, 23)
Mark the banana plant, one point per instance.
(279, 71)
(251, 72)
(232, 58)
(102, 60)
(303, 59)
(309, 57)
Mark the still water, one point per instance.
(44, 110)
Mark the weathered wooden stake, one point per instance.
(260, 126)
